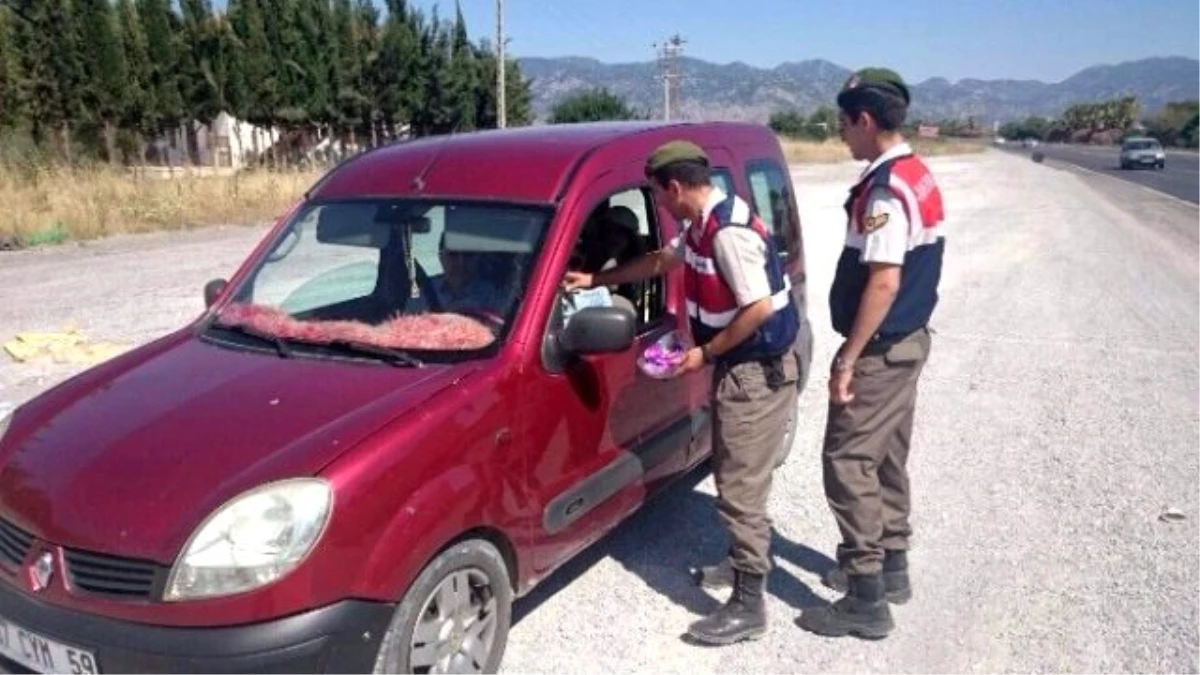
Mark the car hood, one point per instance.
(130, 459)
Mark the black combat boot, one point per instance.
(896, 587)
(743, 617)
(713, 577)
(863, 612)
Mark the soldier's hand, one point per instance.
(693, 360)
(574, 280)
(839, 386)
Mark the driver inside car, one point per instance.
(463, 285)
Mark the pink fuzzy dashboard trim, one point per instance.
(420, 331)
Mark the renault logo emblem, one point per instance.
(43, 571)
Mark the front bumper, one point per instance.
(340, 638)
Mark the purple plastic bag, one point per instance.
(661, 359)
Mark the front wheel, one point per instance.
(454, 618)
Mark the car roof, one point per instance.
(525, 164)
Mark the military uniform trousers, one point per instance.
(751, 405)
(866, 454)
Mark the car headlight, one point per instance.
(253, 540)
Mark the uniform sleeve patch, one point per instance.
(872, 223)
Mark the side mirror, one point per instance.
(598, 330)
(212, 290)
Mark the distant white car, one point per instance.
(1142, 151)
(1031, 142)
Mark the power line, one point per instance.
(668, 61)
(501, 106)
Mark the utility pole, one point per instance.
(668, 54)
(501, 105)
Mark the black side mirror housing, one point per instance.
(212, 290)
(598, 330)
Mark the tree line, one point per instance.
(1109, 121)
(818, 126)
(103, 78)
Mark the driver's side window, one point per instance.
(619, 229)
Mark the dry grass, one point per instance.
(833, 150)
(49, 205)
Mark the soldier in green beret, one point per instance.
(883, 295)
(744, 323)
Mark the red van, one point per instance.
(382, 430)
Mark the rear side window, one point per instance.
(770, 193)
(722, 178)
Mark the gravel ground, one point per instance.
(1058, 416)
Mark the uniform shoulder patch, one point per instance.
(872, 223)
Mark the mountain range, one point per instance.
(737, 91)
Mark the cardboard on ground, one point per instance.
(67, 347)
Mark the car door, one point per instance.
(605, 433)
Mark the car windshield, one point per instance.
(388, 278)
(1141, 145)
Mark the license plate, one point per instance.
(41, 654)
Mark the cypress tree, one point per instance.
(105, 72)
(397, 73)
(256, 67)
(12, 105)
(435, 114)
(165, 107)
(135, 106)
(349, 89)
(316, 55)
(201, 69)
(462, 81)
(366, 26)
(53, 70)
(284, 40)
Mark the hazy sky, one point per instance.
(1047, 40)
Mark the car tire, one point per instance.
(789, 437)
(455, 617)
(1162, 165)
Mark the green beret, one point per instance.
(675, 151)
(879, 79)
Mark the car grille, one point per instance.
(113, 577)
(93, 573)
(14, 544)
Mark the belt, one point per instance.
(880, 343)
(773, 370)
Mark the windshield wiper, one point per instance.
(275, 341)
(396, 357)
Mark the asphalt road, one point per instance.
(1178, 179)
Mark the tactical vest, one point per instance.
(711, 304)
(909, 179)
